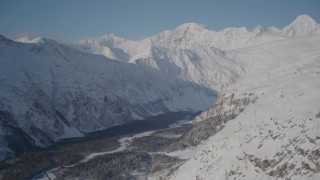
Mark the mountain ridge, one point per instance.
(180, 35)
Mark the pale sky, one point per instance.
(72, 20)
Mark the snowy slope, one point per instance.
(204, 65)
(50, 91)
(277, 136)
(207, 66)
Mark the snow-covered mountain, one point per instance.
(276, 132)
(193, 48)
(302, 26)
(50, 91)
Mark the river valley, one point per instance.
(131, 140)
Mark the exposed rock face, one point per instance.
(209, 123)
(226, 105)
(213, 120)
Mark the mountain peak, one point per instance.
(258, 31)
(111, 40)
(303, 25)
(272, 29)
(42, 40)
(111, 37)
(24, 39)
(304, 18)
(191, 27)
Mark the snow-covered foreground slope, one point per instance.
(277, 136)
(49, 91)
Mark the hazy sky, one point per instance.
(71, 20)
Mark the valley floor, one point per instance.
(62, 158)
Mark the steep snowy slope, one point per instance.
(50, 91)
(275, 136)
(204, 65)
(207, 66)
